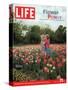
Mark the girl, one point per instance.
(48, 50)
(42, 44)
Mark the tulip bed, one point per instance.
(30, 64)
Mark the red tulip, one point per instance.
(50, 60)
(53, 63)
(38, 61)
(26, 60)
(57, 59)
(63, 60)
(45, 61)
(59, 65)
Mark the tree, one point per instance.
(60, 34)
(24, 27)
(35, 28)
(32, 38)
(35, 34)
(17, 31)
(35, 38)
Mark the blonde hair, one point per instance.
(42, 36)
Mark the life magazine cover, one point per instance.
(37, 44)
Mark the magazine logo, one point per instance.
(24, 12)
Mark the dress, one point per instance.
(48, 50)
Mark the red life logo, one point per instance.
(24, 12)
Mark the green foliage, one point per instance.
(63, 71)
(35, 28)
(60, 34)
(24, 27)
(34, 32)
(17, 31)
(35, 38)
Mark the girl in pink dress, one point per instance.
(48, 50)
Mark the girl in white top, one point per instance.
(42, 44)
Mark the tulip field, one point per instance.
(29, 63)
